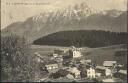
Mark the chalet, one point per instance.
(91, 72)
(109, 63)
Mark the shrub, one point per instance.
(17, 64)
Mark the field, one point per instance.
(97, 55)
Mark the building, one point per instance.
(52, 66)
(109, 63)
(98, 74)
(60, 51)
(75, 71)
(75, 52)
(70, 76)
(101, 69)
(123, 71)
(91, 73)
(55, 55)
(108, 72)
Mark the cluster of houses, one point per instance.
(71, 60)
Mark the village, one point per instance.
(70, 64)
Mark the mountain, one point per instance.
(48, 23)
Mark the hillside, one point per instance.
(111, 53)
(82, 38)
(81, 18)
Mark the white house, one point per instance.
(123, 71)
(91, 73)
(55, 55)
(109, 63)
(98, 74)
(108, 72)
(75, 52)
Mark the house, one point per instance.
(70, 76)
(91, 72)
(123, 71)
(109, 63)
(52, 66)
(101, 69)
(98, 74)
(55, 55)
(104, 70)
(38, 58)
(74, 71)
(108, 72)
(75, 52)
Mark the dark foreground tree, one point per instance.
(17, 64)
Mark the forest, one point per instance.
(82, 38)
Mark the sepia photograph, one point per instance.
(64, 41)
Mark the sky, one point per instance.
(12, 13)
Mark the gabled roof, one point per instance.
(109, 63)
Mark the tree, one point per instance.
(16, 62)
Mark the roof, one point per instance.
(101, 67)
(123, 71)
(108, 63)
(89, 61)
